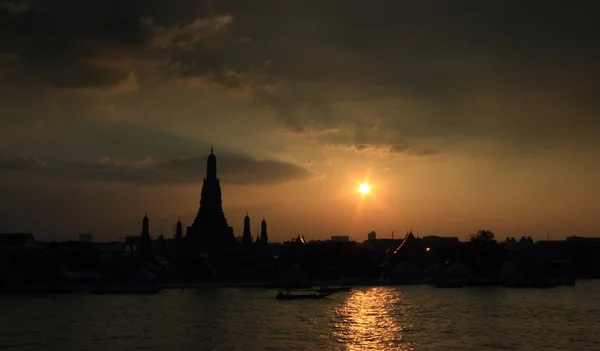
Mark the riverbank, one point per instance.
(59, 288)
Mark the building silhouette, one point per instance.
(257, 243)
(247, 236)
(178, 231)
(264, 239)
(144, 245)
(210, 233)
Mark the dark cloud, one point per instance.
(430, 72)
(519, 74)
(241, 169)
(233, 169)
(14, 6)
(119, 152)
(73, 44)
(85, 141)
(20, 163)
(387, 149)
(103, 78)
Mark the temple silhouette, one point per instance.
(209, 251)
(210, 233)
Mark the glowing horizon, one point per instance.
(106, 119)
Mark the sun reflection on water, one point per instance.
(373, 319)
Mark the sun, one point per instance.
(364, 188)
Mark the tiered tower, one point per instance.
(263, 232)
(247, 237)
(210, 232)
(179, 231)
(145, 241)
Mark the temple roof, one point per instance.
(409, 246)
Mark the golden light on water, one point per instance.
(372, 319)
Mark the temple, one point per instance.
(247, 236)
(210, 233)
(145, 242)
(263, 233)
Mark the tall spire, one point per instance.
(257, 242)
(210, 232)
(145, 226)
(211, 165)
(263, 232)
(247, 236)
(144, 244)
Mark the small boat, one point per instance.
(325, 289)
(288, 296)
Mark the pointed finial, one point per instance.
(211, 148)
(146, 214)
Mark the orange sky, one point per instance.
(458, 123)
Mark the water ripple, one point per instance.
(377, 318)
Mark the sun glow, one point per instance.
(364, 188)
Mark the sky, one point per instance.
(461, 115)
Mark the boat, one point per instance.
(325, 289)
(289, 296)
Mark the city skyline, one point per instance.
(460, 117)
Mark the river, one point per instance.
(369, 318)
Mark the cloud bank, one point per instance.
(419, 76)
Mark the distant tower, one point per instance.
(145, 228)
(257, 242)
(263, 232)
(144, 245)
(247, 236)
(210, 232)
(179, 230)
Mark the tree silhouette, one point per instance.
(483, 237)
(483, 254)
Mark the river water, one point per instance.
(370, 318)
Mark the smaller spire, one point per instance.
(211, 149)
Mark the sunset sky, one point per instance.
(459, 114)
